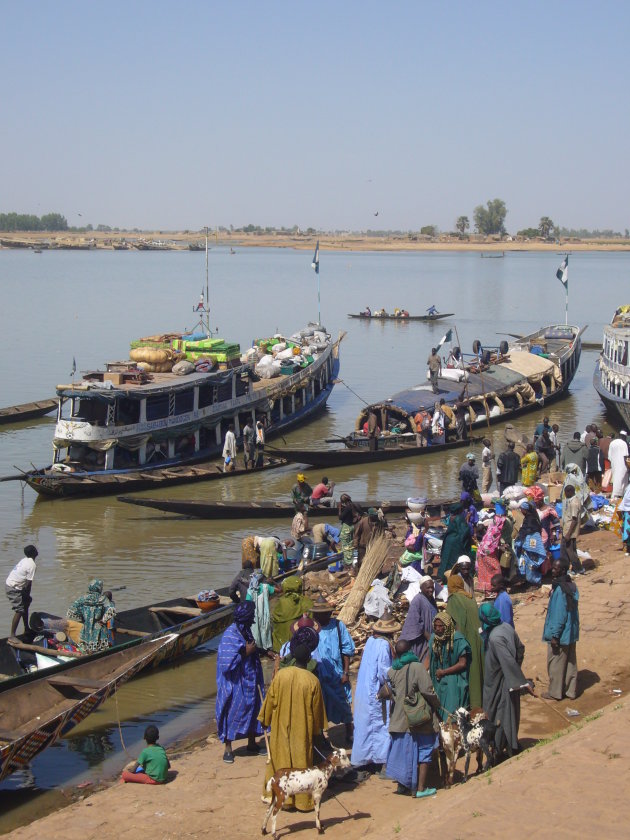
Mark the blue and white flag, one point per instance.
(445, 338)
(563, 272)
(74, 366)
(315, 263)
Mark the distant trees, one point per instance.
(429, 230)
(462, 224)
(28, 222)
(545, 226)
(491, 218)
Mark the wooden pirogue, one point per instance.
(34, 717)
(401, 318)
(255, 510)
(26, 411)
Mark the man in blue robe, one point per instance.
(371, 715)
(239, 676)
(334, 651)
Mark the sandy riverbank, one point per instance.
(106, 240)
(570, 786)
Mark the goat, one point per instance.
(478, 734)
(452, 741)
(313, 780)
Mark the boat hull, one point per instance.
(54, 704)
(361, 454)
(26, 411)
(400, 319)
(617, 408)
(234, 510)
(66, 486)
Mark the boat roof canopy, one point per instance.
(167, 383)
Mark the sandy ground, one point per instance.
(569, 781)
(328, 242)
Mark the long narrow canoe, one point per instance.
(33, 718)
(326, 458)
(437, 317)
(248, 510)
(66, 486)
(26, 411)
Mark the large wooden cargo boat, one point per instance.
(119, 422)
(612, 370)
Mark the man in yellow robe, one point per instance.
(294, 709)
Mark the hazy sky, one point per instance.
(176, 115)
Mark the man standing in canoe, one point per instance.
(249, 437)
(229, 450)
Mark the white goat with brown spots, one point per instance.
(470, 731)
(314, 780)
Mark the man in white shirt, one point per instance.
(617, 454)
(229, 450)
(486, 466)
(18, 587)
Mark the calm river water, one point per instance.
(88, 305)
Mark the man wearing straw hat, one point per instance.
(371, 715)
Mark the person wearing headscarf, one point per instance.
(496, 542)
(457, 540)
(239, 683)
(294, 709)
(348, 514)
(419, 622)
(450, 658)
(470, 511)
(462, 608)
(561, 632)
(93, 610)
(502, 601)
(334, 651)
(463, 568)
(301, 492)
(289, 607)
(529, 547)
(503, 680)
(410, 753)
(371, 715)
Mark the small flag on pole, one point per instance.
(74, 366)
(563, 272)
(445, 338)
(315, 263)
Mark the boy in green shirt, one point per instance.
(152, 765)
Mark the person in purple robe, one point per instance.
(239, 677)
(418, 625)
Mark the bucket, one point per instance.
(554, 550)
(415, 516)
(417, 504)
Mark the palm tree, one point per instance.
(545, 226)
(462, 224)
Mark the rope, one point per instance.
(122, 740)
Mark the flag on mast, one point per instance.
(563, 272)
(315, 263)
(74, 366)
(445, 338)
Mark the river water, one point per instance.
(60, 306)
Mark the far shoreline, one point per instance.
(180, 241)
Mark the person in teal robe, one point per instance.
(457, 541)
(449, 665)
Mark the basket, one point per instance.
(207, 606)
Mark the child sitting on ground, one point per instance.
(152, 764)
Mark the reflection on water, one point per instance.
(155, 556)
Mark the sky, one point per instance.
(172, 116)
